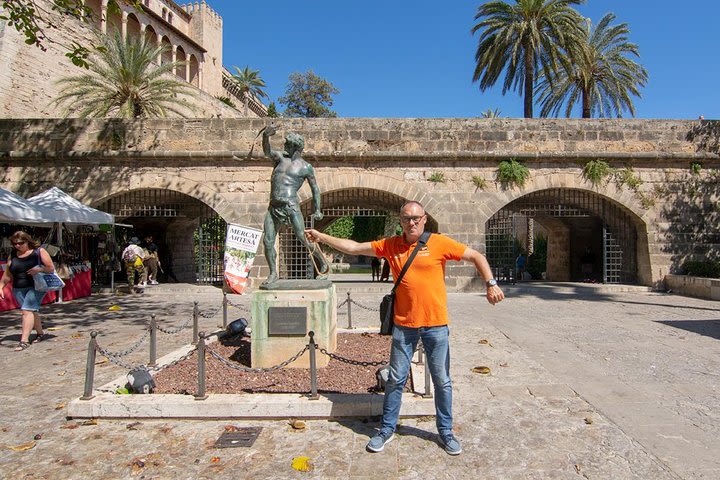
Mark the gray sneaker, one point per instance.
(378, 442)
(450, 444)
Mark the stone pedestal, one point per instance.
(274, 340)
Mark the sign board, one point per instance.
(241, 245)
(287, 321)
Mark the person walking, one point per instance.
(26, 261)
(133, 257)
(151, 260)
(420, 314)
(375, 268)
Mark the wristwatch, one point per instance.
(491, 283)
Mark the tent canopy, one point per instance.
(57, 206)
(15, 209)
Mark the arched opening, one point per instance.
(150, 35)
(194, 71)
(190, 235)
(166, 56)
(96, 20)
(374, 214)
(114, 21)
(181, 57)
(133, 27)
(566, 235)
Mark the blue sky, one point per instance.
(415, 58)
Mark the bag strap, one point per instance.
(39, 258)
(421, 241)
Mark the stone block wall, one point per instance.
(675, 210)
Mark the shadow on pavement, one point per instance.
(708, 328)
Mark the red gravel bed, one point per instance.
(336, 377)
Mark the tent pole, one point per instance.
(112, 258)
(60, 242)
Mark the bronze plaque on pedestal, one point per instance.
(287, 321)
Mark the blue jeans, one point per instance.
(437, 351)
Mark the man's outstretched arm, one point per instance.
(345, 245)
(494, 293)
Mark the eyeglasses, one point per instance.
(19, 243)
(415, 219)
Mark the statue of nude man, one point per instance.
(288, 176)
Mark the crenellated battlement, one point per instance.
(202, 8)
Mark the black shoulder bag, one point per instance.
(387, 305)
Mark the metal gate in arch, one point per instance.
(619, 233)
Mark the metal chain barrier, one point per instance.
(112, 358)
(242, 308)
(350, 361)
(129, 350)
(343, 303)
(116, 360)
(173, 331)
(371, 309)
(235, 366)
(210, 314)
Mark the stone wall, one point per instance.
(28, 75)
(708, 288)
(675, 211)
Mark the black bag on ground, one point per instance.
(387, 313)
(387, 305)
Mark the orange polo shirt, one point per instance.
(421, 298)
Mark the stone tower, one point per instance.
(206, 29)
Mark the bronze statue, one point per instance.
(288, 176)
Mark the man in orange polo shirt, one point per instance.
(420, 313)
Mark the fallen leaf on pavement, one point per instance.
(588, 420)
(53, 329)
(23, 446)
(133, 426)
(59, 406)
(485, 341)
(92, 421)
(483, 370)
(231, 428)
(302, 464)
(115, 308)
(70, 426)
(297, 424)
(62, 374)
(504, 364)
(77, 335)
(215, 459)
(137, 465)
(101, 361)
(38, 436)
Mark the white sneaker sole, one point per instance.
(370, 449)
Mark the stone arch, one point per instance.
(114, 21)
(616, 222)
(181, 57)
(383, 183)
(184, 222)
(150, 35)
(194, 71)
(133, 27)
(166, 56)
(96, 20)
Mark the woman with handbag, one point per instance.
(26, 261)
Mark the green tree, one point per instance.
(490, 113)
(250, 84)
(272, 110)
(124, 82)
(599, 72)
(520, 39)
(308, 95)
(32, 22)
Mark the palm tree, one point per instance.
(123, 81)
(600, 74)
(521, 37)
(490, 113)
(249, 83)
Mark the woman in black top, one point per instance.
(26, 260)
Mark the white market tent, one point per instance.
(15, 209)
(57, 206)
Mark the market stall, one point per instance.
(74, 239)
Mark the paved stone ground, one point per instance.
(583, 385)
